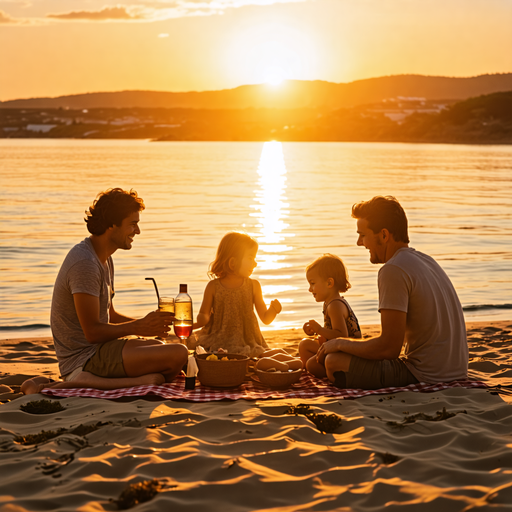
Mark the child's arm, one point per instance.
(338, 312)
(266, 315)
(206, 307)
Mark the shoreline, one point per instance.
(269, 139)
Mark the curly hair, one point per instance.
(331, 266)
(383, 212)
(110, 208)
(232, 246)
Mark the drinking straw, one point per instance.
(156, 288)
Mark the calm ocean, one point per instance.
(295, 198)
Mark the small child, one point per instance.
(327, 277)
(227, 310)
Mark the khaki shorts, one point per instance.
(73, 375)
(108, 360)
(372, 374)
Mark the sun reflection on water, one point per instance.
(270, 214)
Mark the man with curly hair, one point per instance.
(97, 346)
(423, 334)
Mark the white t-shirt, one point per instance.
(81, 272)
(435, 348)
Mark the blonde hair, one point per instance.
(232, 245)
(331, 266)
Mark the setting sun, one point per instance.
(274, 75)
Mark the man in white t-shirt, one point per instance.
(423, 334)
(97, 346)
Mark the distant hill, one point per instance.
(485, 119)
(292, 94)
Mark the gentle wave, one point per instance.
(477, 307)
(29, 327)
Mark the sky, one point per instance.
(51, 48)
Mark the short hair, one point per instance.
(383, 212)
(331, 266)
(110, 208)
(232, 245)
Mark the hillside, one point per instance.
(484, 119)
(293, 94)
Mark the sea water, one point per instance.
(294, 198)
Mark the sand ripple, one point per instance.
(252, 456)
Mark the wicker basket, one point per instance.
(277, 380)
(222, 374)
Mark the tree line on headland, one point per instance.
(484, 119)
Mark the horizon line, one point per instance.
(250, 85)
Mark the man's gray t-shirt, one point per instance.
(81, 272)
(435, 347)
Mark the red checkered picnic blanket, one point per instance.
(307, 387)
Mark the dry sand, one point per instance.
(247, 456)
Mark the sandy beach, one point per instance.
(449, 450)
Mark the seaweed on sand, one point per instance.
(46, 435)
(42, 407)
(40, 437)
(326, 423)
(138, 493)
(299, 409)
(439, 416)
(83, 430)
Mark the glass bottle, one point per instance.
(183, 313)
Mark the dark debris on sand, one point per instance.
(138, 493)
(46, 435)
(42, 407)
(387, 458)
(439, 416)
(40, 437)
(325, 423)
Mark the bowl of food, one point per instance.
(277, 369)
(221, 369)
(277, 379)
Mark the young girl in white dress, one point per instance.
(227, 310)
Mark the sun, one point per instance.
(274, 75)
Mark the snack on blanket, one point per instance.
(273, 352)
(268, 364)
(284, 358)
(295, 364)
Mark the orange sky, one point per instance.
(57, 47)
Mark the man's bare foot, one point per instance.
(35, 385)
(88, 380)
(152, 379)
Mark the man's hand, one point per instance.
(156, 323)
(329, 347)
(312, 327)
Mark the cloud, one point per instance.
(142, 11)
(158, 10)
(117, 13)
(5, 19)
